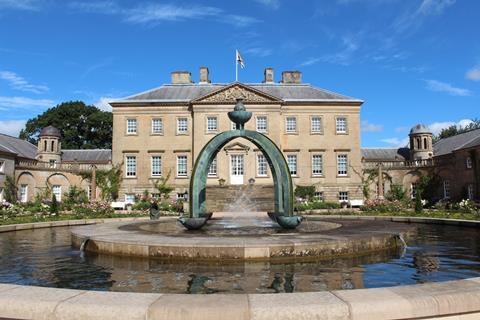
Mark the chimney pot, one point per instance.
(268, 75)
(181, 77)
(291, 77)
(204, 75)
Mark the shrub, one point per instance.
(54, 205)
(396, 192)
(73, 196)
(93, 209)
(305, 192)
(378, 205)
(311, 205)
(141, 205)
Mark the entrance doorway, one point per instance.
(237, 164)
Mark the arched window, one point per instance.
(45, 145)
(53, 146)
(419, 145)
(425, 144)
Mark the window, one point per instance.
(57, 192)
(212, 170)
(262, 123)
(261, 165)
(318, 195)
(52, 146)
(341, 125)
(291, 124)
(317, 165)
(157, 126)
(182, 125)
(2, 166)
(413, 190)
(181, 166)
(470, 191)
(342, 165)
(292, 164)
(212, 124)
(53, 163)
(425, 144)
(468, 162)
(343, 196)
(131, 126)
(316, 125)
(45, 145)
(446, 189)
(24, 193)
(156, 166)
(131, 166)
(129, 198)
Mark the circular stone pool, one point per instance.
(45, 257)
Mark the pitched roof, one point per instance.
(19, 147)
(188, 92)
(460, 141)
(392, 154)
(87, 155)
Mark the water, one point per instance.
(44, 257)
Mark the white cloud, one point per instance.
(401, 129)
(473, 74)
(258, 52)
(343, 57)
(23, 102)
(413, 20)
(102, 103)
(12, 127)
(154, 13)
(310, 61)
(19, 4)
(396, 142)
(435, 7)
(274, 4)
(19, 83)
(370, 127)
(438, 86)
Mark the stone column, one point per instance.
(93, 185)
(380, 182)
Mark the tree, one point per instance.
(82, 126)
(453, 130)
(109, 181)
(10, 191)
(162, 187)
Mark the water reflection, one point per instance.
(44, 257)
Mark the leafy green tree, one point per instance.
(305, 192)
(163, 187)
(396, 192)
(54, 205)
(82, 126)
(109, 181)
(453, 130)
(10, 191)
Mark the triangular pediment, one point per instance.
(236, 146)
(230, 93)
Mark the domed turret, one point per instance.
(49, 146)
(421, 144)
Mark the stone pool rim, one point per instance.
(452, 300)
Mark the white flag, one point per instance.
(240, 60)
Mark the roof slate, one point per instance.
(188, 92)
(87, 155)
(19, 147)
(460, 141)
(392, 154)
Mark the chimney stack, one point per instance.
(181, 77)
(268, 75)
(204, 75)
(291, 77)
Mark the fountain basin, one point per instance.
(234, 239)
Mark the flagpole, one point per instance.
(236, 67)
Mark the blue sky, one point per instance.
(410, 61)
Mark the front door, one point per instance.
(236, 168)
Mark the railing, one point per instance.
(69, 167)
(403, 164)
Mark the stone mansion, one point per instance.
(159, 133)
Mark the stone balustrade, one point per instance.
(68, 167)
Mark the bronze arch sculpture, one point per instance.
(283, 215)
